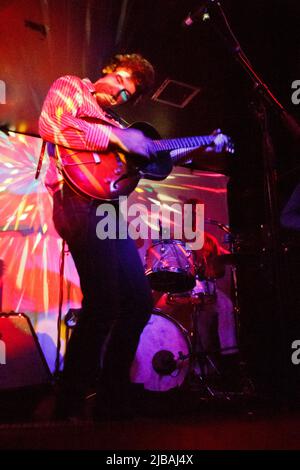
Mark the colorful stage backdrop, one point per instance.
(31, 249)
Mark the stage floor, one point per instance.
(170, 421)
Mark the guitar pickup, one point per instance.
(96, 157)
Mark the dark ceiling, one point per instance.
(43, 39)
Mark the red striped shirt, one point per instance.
(68, 118)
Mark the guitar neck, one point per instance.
(182, 143)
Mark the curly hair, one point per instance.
(142, 71)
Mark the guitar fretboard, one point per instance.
(182, 142)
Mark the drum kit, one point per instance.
(168, 351)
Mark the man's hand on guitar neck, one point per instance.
(221, 143)
(133, 141)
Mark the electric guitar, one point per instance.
(108, 175)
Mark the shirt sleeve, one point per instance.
(60, 120)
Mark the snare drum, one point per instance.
(163, 356)
(170, 267)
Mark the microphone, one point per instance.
(164, 362)
(198, 15)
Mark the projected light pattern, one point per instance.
(29, 244)
(31, 248)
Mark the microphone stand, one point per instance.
(266, 102)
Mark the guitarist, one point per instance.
(117, 300)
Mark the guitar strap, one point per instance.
(41, 158)
(51, 151)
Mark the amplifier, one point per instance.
(22, 363)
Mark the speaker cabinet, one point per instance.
(22, 363)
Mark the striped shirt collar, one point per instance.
(90, 85)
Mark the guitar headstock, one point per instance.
(221, 143)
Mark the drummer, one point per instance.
(216, 319)
(207, 259)
(216, 324)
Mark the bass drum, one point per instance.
(163, 356)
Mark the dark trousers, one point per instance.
(117, 300)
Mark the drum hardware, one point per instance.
(170, 267)
(162, 368)
(170, 355)
(202, 364)
(204, 292)
(183, 309)
(170, 352)
(202, 360)
(164, 362)
(222, 226)
(235, 258)
(163, 357)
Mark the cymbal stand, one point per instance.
(201, 358)
(231, 240)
